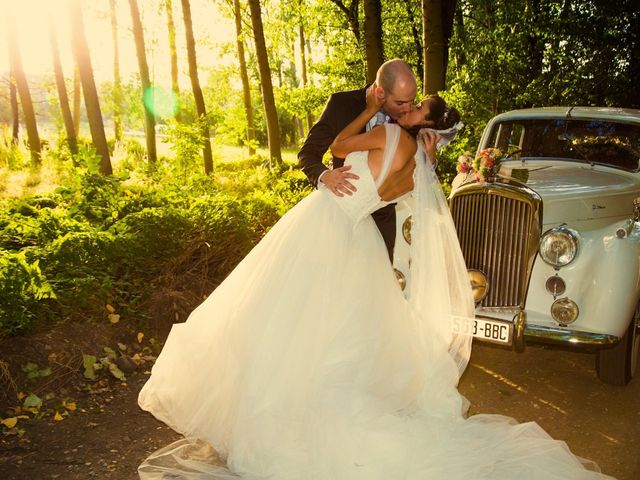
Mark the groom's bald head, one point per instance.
(394, 72)
(398, 86)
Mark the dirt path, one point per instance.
(560, 390)
(107, 436)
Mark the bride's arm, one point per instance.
(351, 140)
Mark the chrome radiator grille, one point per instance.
(499, 232)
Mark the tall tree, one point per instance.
(147, 93)
(62, 90)
(77, 98)
(351, 13)
(437, 27)
(91, 102)
(414, 21)
(305, 77)
(303, 60)
(15, 114)
(22, 86)
(271, 114)
(195, 85)
(373, 37)
(173, 53)
(244, 76)
(117, 83)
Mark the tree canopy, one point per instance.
(484, 56)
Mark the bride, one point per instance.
(308, 362)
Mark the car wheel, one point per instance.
(618, 365)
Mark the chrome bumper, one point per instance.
(562, 336)
(524, 332)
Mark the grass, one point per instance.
(16, 182)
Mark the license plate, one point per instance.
(484, 329)
(492, 330)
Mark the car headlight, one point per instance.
(559, 246)
(564, 311)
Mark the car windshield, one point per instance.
(594, 141)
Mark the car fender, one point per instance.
(604, 281)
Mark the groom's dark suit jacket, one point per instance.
(341, 109)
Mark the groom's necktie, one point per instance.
(378, 119)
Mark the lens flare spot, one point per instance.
(161, 102)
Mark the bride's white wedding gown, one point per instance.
(308, 363)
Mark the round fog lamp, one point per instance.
(406, 229)
(555, 285)
(559, 246)
(401, 278)
(479, 284)
(564, 311)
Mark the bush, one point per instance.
(80, 267)
(98, 240)
(19, 230)
(224, 227)
(23, 288)
(145, 241)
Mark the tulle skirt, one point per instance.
(304, 364)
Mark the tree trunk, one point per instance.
(244, 75)
(434, 46)
(117, 84)
(91, 102)
(147, 93)
(173, 54)
(534, 41)
(25, 96)
(15, 114)
(413, 20)
(373, 37)
(62, 91)
(448, 14)
(461, 58)
(195, 85)
(271, 114)
(77, 94)
(351, 12)
(303, 60)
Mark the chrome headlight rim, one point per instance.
(572, 239)
(564, 311)
(479, 284)
(406, 229)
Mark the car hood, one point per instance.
(578, 191)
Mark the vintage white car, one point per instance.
(552, 242)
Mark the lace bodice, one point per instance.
(365, 200)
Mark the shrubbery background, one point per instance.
(133, 239)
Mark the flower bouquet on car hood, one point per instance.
(484, 165)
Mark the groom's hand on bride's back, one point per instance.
(337, 180)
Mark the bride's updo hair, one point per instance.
(443, 115)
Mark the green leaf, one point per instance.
(30, 367)
(111, 354)
(32, 401)
(116, 372)
(88, 362)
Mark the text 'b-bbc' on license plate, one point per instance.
(484, 329)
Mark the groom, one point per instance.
(396, 85)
